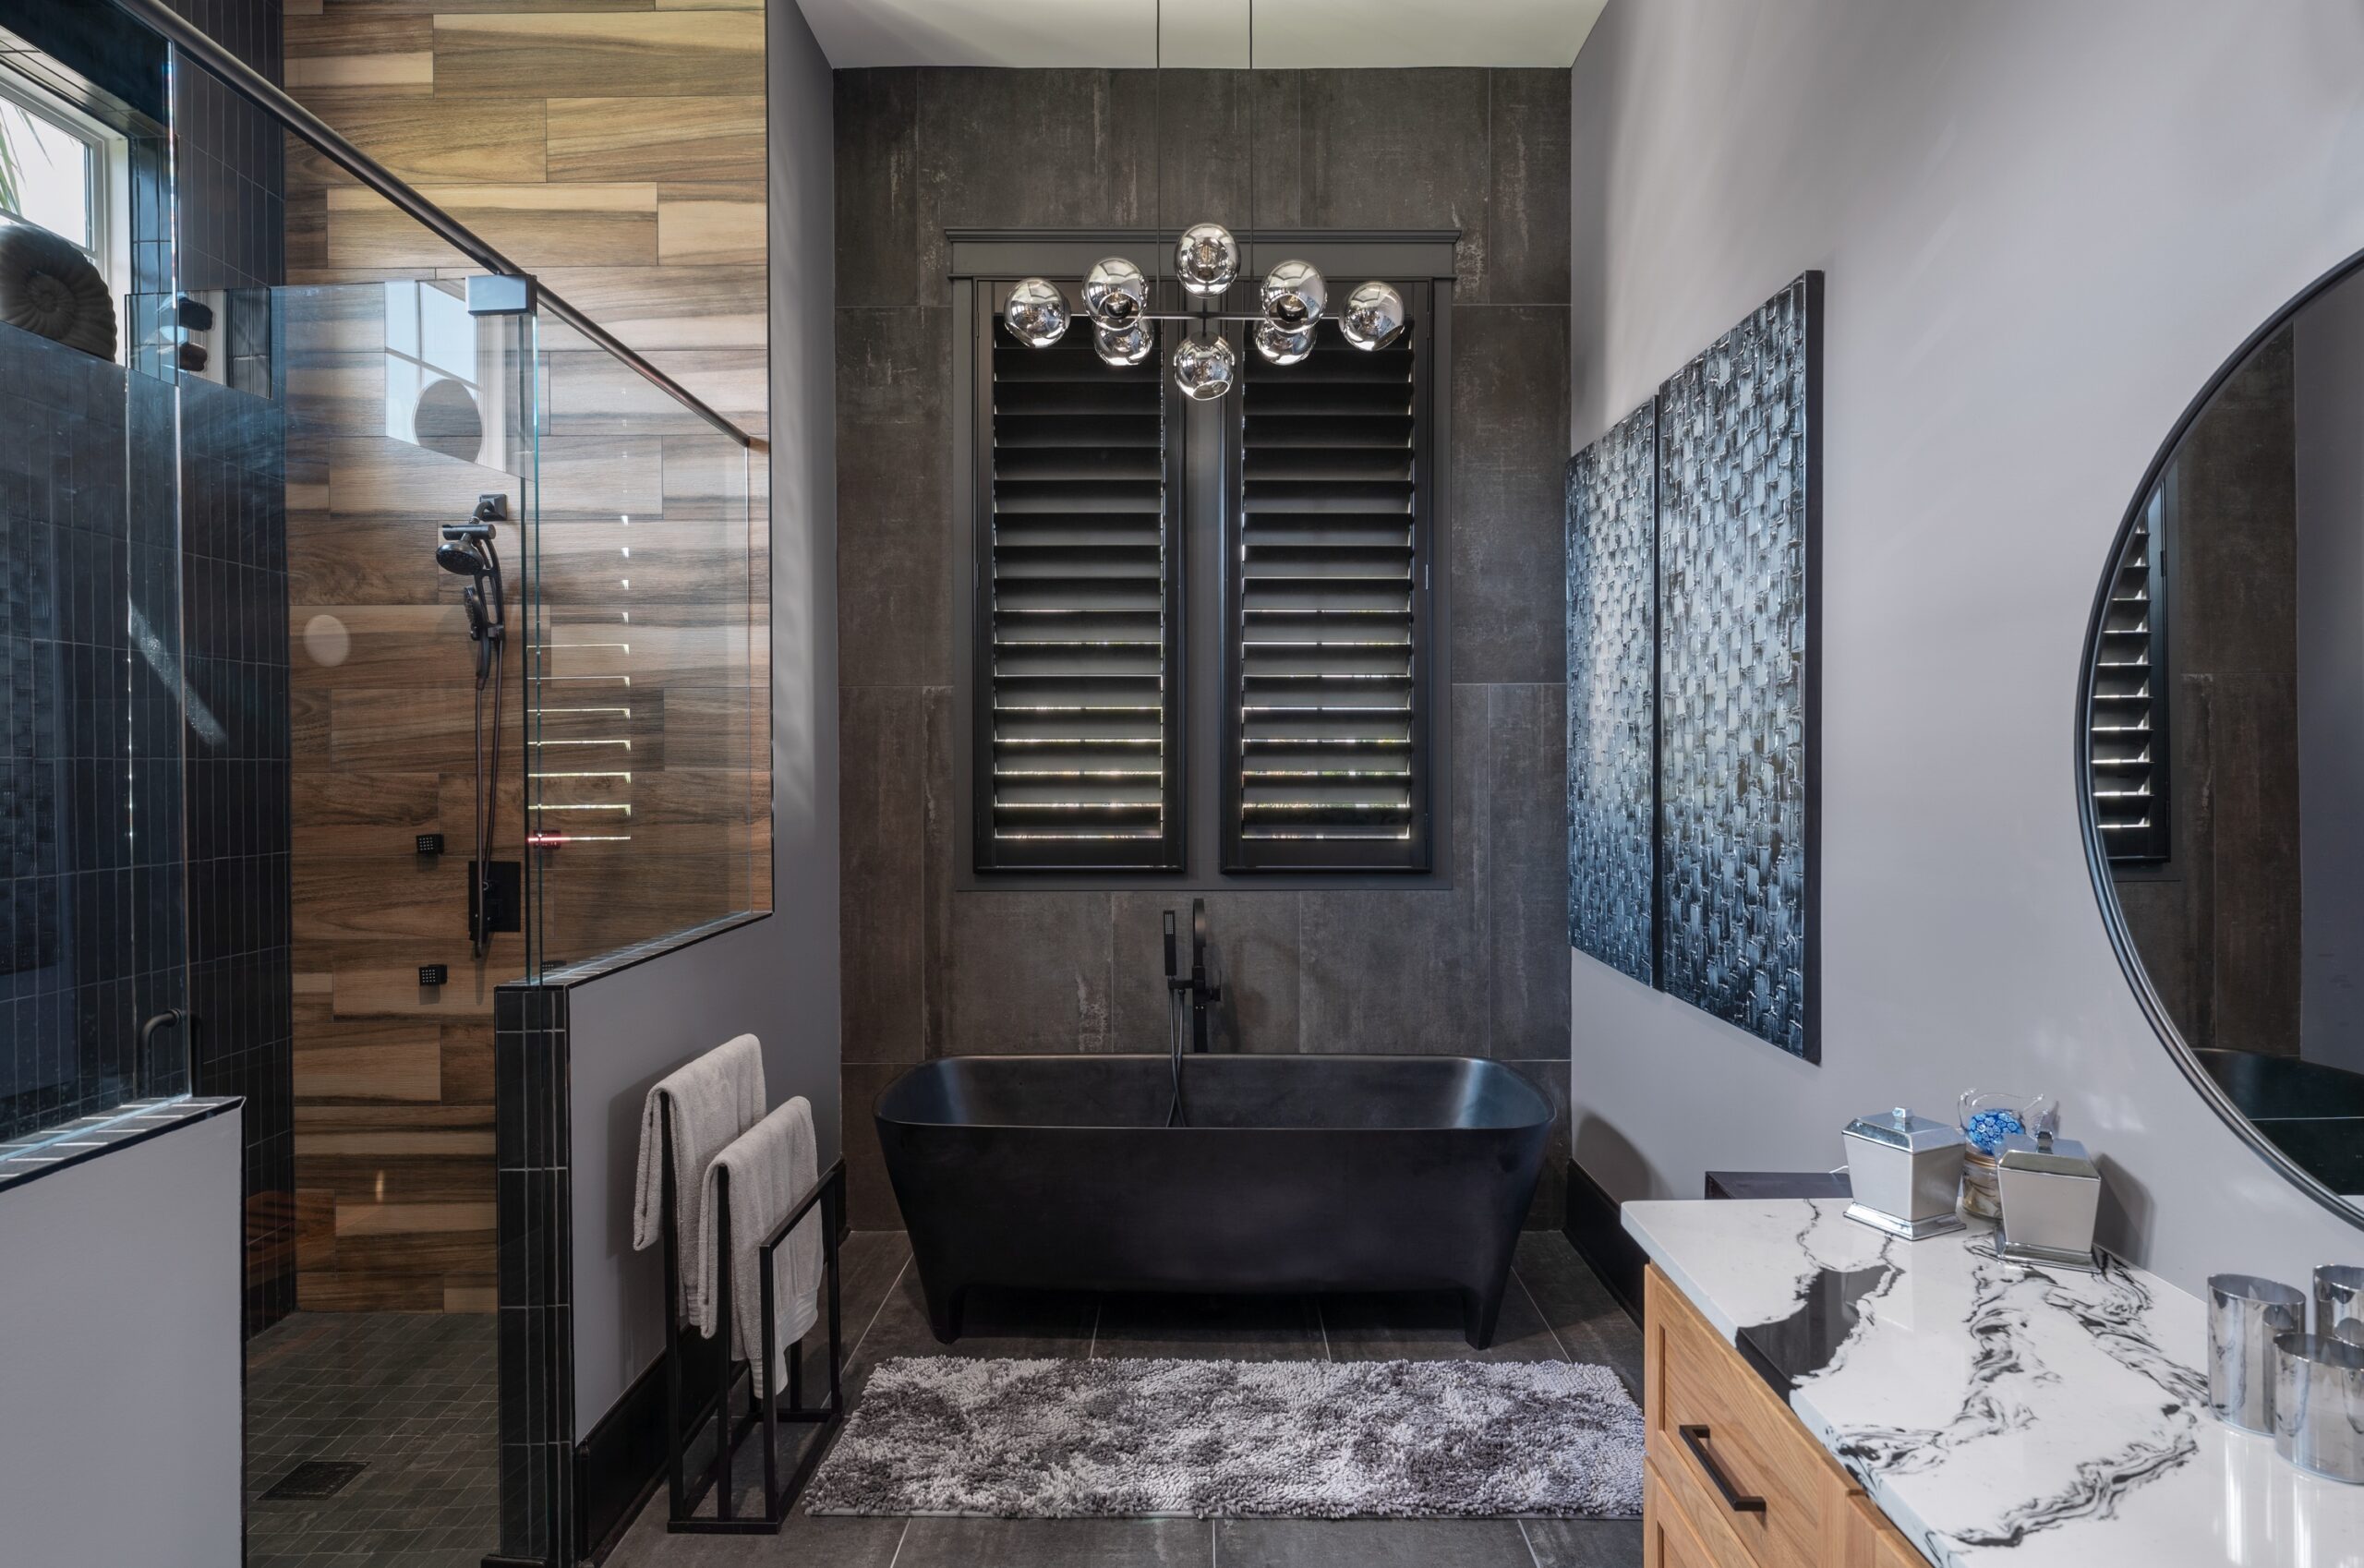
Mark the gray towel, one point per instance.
(715, 1099)
(772, 1166)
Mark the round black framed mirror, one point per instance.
(2219, 740)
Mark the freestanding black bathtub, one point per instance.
(1312, 1172)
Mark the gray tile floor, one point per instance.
(409, 1394)
(1557, 1309)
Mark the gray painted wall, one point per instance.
(777, 978)
(2044, 227)
(933, 970)
(2329, 361)
(120, 1369)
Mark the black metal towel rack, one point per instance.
(771, 1410)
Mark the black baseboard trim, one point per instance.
(620, 1465)
(1594, 1231)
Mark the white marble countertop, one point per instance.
(1999, 1414)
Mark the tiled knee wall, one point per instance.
(534, 1203)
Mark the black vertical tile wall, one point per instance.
(234, 595)
(229, 182)
(147, 594)
(89, 932)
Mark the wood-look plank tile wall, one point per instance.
(616, 148)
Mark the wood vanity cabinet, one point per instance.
(1732, 1479)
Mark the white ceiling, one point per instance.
(1289, 35)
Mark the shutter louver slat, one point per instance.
(1076, 713)
(1327, 721)
(2127, 721)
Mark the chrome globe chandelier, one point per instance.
(1118, 296)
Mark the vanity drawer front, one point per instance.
(1667, 1537)
(1729, 1451)
(1876, 1543)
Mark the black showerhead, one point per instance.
(459, 560)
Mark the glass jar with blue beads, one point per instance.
(1988, 1118)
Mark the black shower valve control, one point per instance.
(434, 974)
(430, 843)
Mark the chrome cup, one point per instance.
(2319, 1405)
(2246, 1314)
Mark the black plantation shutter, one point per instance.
(1077, 619)
(1327, 609)
(2129, 720)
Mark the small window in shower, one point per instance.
(62, 171)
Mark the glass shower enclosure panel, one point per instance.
(411, 460)
(643, 790)
(93, 891)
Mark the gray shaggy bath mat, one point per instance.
(1281, 1440)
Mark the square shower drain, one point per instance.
(313, 1479)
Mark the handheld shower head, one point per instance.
(459, 560)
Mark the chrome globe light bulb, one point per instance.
(1120, 346)
(1115, 293)
(1036, 313)
(1293, 296)
(1204, 368)
(1374, 316)
(1281, 345)
(1206, 258)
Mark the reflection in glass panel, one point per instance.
(642, 785)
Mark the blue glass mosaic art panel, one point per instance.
(1736, 524)
(1611, 519)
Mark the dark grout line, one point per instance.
(1549, 1327)
(881, 1307)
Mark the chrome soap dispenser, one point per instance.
(2052, 1195)
(1906, 1172)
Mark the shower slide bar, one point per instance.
(259, 91)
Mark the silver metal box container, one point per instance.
(2052, 1195)
(1906, 1171)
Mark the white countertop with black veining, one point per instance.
(1998, 1414)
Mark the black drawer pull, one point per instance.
(1695, 1439)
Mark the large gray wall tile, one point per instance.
(1526, 256)
(1027, 972)
(897, 538)
(934, 978)
(999, 149)
(1405, 971)
(881, 889)
(1509, 543)
(1399, 149)
(1527, 871)
(1203, 162)
(1255, 936)
(870, 1198)
(877, 124)
(1551, 1193)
